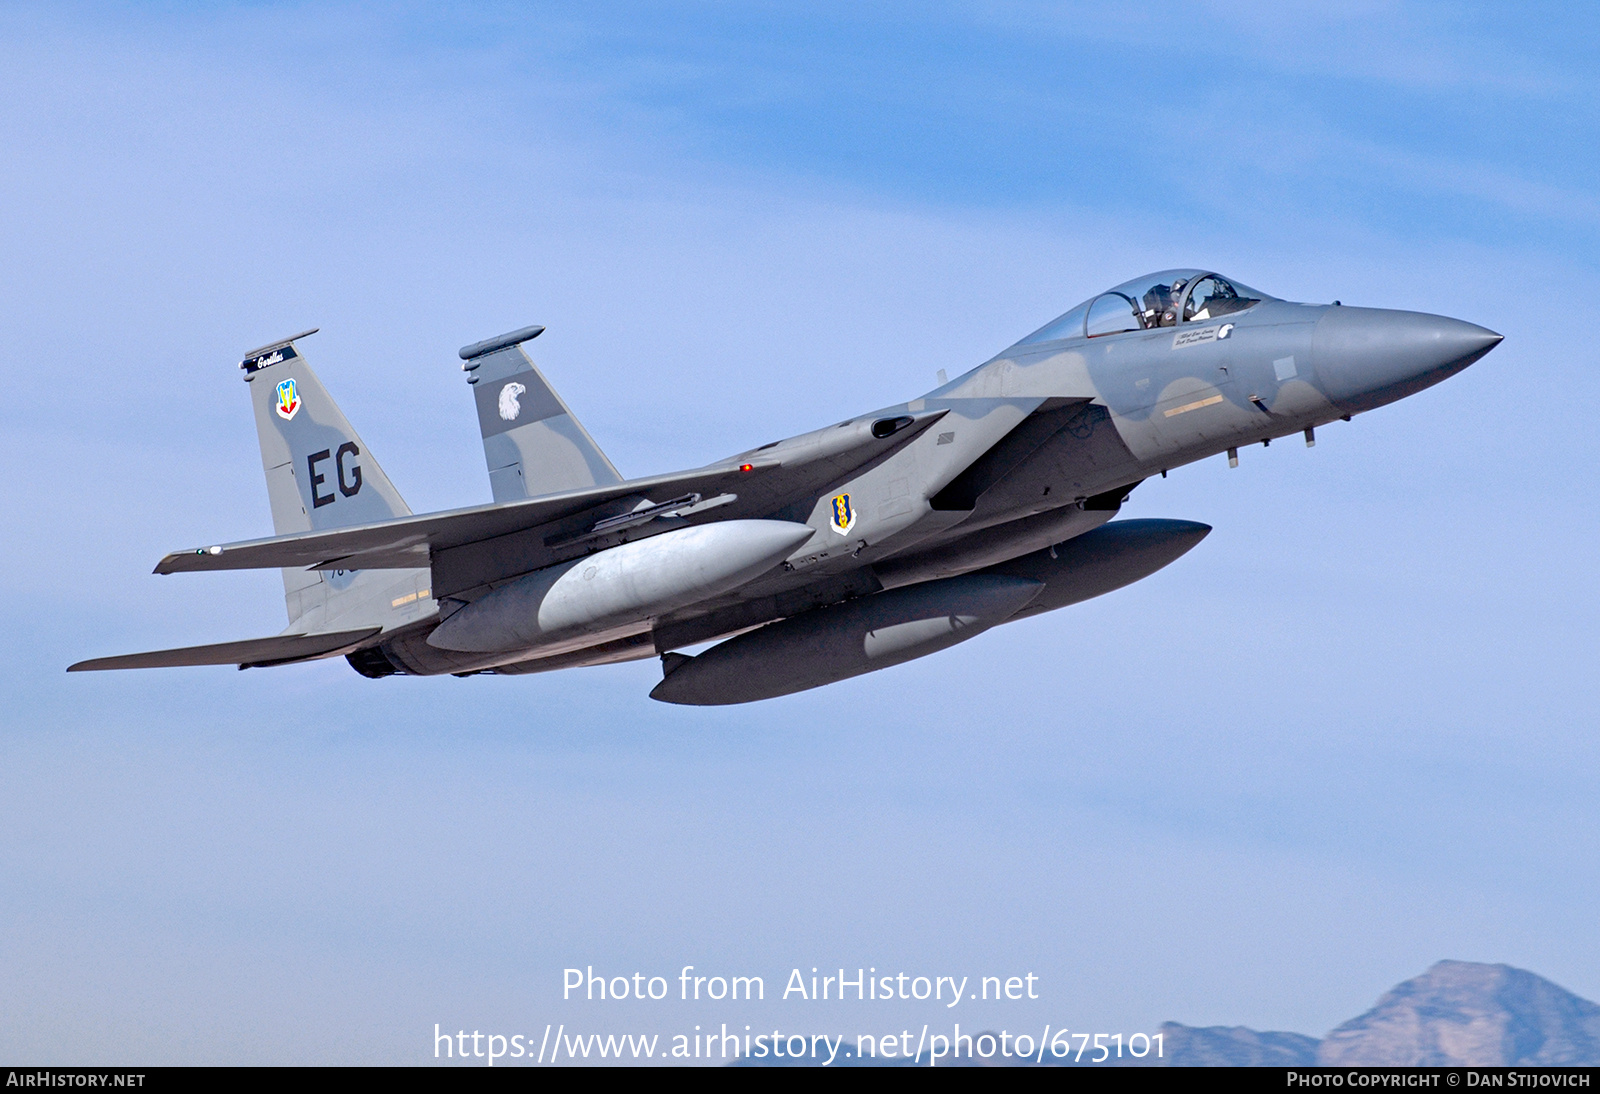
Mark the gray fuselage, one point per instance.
(1027, 451)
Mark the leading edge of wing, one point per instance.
(405, 542)
(251, 651)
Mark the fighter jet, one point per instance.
(861, 545)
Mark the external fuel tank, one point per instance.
(859, 636)
(627, 584)
(845, 640)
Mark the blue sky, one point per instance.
(1349, 735)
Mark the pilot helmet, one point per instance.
(1169, 317)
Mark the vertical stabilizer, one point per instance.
(320, 475)
(532, 442)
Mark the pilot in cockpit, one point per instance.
(1161, 305)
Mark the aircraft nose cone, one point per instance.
(1366, 357)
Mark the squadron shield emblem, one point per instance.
(288, 399)
(844, 515)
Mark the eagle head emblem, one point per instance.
(509, 407)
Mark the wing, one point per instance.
(406, 542)
(468, 548)
(251, 652)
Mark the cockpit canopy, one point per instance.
(1162, 299)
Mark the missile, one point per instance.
(623, 585)
(844, 640)
(888, 628)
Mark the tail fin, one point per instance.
(319, 475)
(532, 443)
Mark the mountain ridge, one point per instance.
(1457, 1013)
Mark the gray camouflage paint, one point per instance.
(342, 488)
(532, 443)
(988, 474)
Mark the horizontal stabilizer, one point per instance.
(250, 652)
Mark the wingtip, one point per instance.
(174, 562)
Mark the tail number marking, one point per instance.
(349, 476)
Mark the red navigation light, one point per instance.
(747, 467)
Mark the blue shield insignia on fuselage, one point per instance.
(844, 515)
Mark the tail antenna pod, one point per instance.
(272, 352)
(489, 345)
